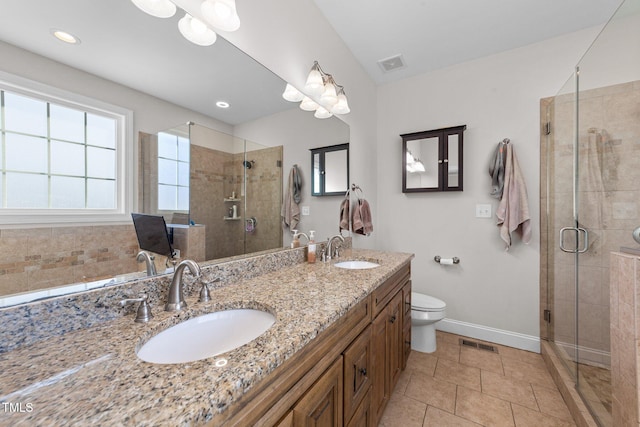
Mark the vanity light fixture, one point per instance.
(222, 14)
(196, 31)
(322, 86)
(219, 14)
(292, 94)
(157, 8)
(414, 164)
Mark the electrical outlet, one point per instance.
(176, 253)
(483, 211)
(306, 210)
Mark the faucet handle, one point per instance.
(143, 314)
(205, 296)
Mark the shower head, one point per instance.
(248, 164)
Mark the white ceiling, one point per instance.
(433, 34)
(123, 44)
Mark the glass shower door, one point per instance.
(562, 224)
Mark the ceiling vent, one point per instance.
(392, 63)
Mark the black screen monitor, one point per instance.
(152, 234)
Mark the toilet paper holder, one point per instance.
(438, 258)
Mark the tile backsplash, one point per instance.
(39, 258)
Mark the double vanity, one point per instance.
(334, 343)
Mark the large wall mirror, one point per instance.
(237, 153)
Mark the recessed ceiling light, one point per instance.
(222, 104)
(64, 36)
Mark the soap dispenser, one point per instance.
(311, 248)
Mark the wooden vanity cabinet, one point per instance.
(322, 405)
(357, 373)
(406, 320)
(388, 340)
(345, 376)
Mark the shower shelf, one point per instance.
(231, 200)
(230, 218)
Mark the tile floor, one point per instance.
(462, 386)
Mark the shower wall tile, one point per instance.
(41, 258)
(625, 337)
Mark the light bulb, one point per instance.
(410, 158)
(418, 166)
(322, 113)
(221, 14)
(196, 31)
(315, 84)
(308, 104)
(292, 94)
(157, 8)
(341, 106)
(329, 96)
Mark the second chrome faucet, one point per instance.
(175, 301)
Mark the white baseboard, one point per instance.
(485, 333)
(588, 356)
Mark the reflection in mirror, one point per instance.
(453, 169)
(232, 181)
(135, 68)
(421, 162)
(330, 166)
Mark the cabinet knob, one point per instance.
(363, 371)
(392, 319)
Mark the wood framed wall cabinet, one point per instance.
(432, 160)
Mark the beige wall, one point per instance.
(491, 293)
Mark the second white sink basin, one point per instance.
(206, 336)
(356, 265)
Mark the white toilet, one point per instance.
(425, 312)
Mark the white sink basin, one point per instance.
(356, 265)
(206, 336)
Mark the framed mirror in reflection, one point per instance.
(137, 68)
(433, 160)
(330, 170)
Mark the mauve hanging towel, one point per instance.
(290, 209)
(513, 210)
(361, 220)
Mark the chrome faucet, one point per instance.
(176, 302)
(148, 259)
(329, 249)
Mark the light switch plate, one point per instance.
(306, 210)
(483, 211)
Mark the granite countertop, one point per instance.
(93, 376)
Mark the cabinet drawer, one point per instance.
(357, 371)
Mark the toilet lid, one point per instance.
(425, 302)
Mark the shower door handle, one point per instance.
(578, 230)
(585, 241)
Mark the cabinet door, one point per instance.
(363, 416)
(395, 344)
(357, 371)
(321, 406)
(287, 421)
(406, 321)
(379, 393)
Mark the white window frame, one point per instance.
(125, 159)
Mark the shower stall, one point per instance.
(590, 202)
